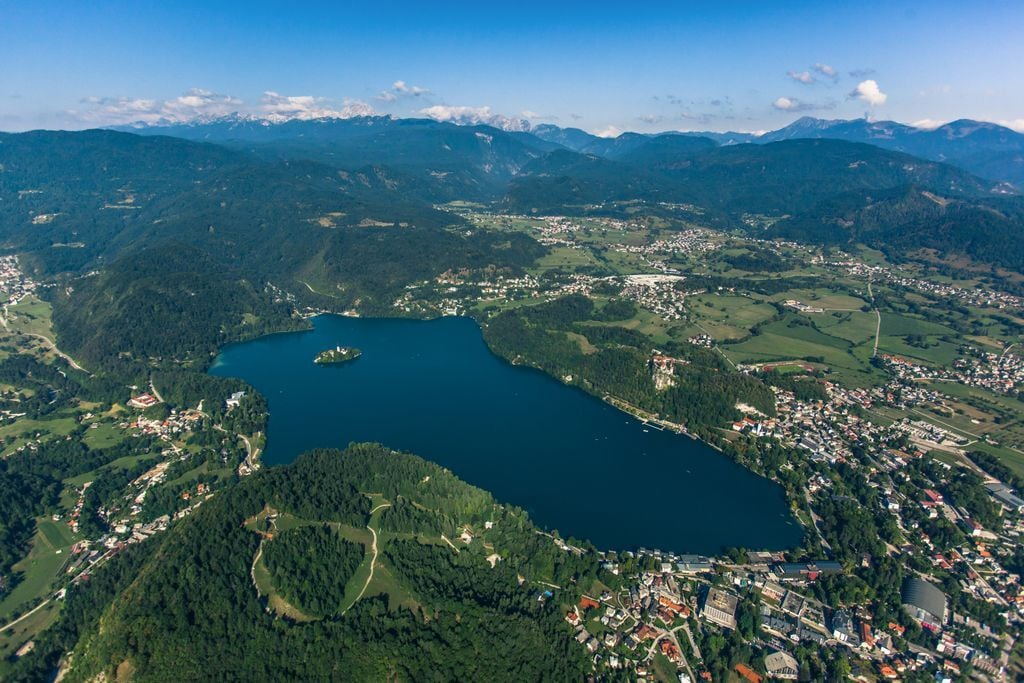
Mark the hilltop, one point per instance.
(342, 561)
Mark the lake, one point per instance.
(573, 462)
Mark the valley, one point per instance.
(847, 366)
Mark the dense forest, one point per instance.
(176, 247)
(194, 613)
(310, 566)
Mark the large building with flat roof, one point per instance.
(782, 665)
(720, 608)
(1005, 495)
(924, 602)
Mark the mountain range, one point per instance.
(343, 212)
(985, 149)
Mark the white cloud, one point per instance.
(1015, 124)
(276, 107)
(804, 77)
(195, 104)
(786, 104)
(792, 104)
(928, 124)
(199, 105)
(473, 116)
(826, 71)
(401, 89)
(868, 91)
(608, 132)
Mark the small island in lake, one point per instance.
(339, 354)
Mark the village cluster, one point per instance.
(999, 372)
(14, 284)
(692, 242)
(981, 297)
(659, 610)
(122, 519)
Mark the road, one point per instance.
(250, 453)
(1003, 354)
(53, 347)
(878, 325)
(154, 392)
(713, 345)
(26, 615)
(816, 520)
(252, 570)
(878, 330)
(672, 636)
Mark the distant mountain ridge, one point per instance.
(985, 149)
(304, 204)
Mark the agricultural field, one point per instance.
(728, 316)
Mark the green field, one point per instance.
(104, 435)
(24, 430)
(644, 321)
(856, 327)
(894, 324)
(787, 339)
(566, 258)
(728, 316)
(822, 298)
(15, 637)
(31, 316)
(39, 574)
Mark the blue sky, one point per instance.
(599, 66)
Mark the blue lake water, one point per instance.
(573, 462)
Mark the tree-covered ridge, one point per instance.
(826, 191)
(192, 611)
(705, 390)
(170, 248)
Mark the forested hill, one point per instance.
(265, 582)
(171, 247)
(784, 177)
(311, 214)
(906, 219)
(449, 161)
(825, 191)
(72, 199)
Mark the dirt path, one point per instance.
(373, 558)
(152, 389)
(252, 569)
(878, 330)
(878, 325)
